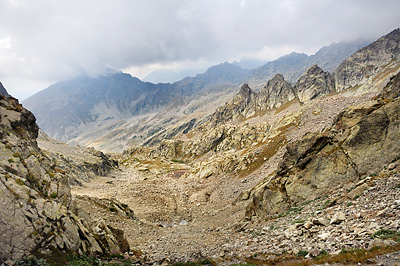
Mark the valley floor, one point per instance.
(191, 219)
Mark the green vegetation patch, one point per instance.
(387, 234)
(194, 263)
(302, 253)
(31, 261)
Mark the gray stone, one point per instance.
(338, 218)
(320, 221)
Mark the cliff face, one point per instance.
(37, 213)
(362, 139)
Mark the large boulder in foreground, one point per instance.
(37, 213)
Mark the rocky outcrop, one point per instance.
(242, 105)
(391, 90)
(37, 213)
(362, 139)
(313, 84)
(247, 103)
(276, 93)
(364, 65)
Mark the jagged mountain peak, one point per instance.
(314, 69)
(245, 91)
(278, 78)
(314, 83)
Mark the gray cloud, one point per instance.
(48, 40)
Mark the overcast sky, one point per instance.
(43, 41)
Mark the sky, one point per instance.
(45, 41)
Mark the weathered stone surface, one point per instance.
(276, 93)
(36, 207)
(338, 218)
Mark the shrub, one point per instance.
(302, 253)
(387, 234)
(19, 181)
(30, 262)
(243, 264)
(300, 221)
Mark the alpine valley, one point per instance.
(295, 162)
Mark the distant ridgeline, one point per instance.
(85, 110)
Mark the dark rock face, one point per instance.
(37, 213)
(313, 84)
(3, 91)
(243, 104)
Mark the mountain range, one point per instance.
(85, 110)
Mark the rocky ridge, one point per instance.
(372, 66)
(293, 65)
(115, 111)
(369, 69)
(38, 214)
(362, 139)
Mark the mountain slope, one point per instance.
(381, 56)
(68, 109)
(361, 140)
